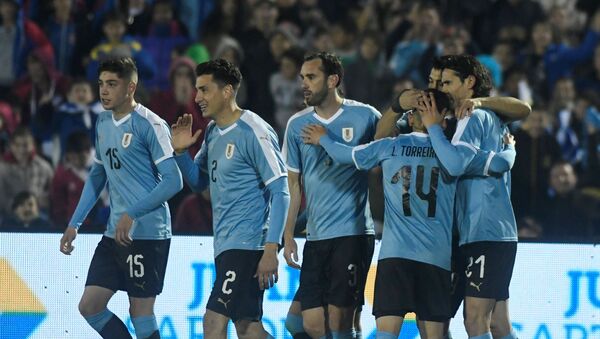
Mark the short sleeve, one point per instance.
(372, 154)
(291, 150)
(158, 139)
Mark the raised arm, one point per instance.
(510, 109)
(386, 127)
(193, 172)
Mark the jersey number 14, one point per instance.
(431, 197)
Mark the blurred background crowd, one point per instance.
(545, 52)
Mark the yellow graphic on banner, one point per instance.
(15, 295)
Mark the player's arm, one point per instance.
(193, 171)
(510, 109)
(386, 127)
(491, 163)
(364, 157)
(92, 189)
(290, 252)
(454, 157)
(169, 185)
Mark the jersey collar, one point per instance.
(125, 118)
(333, 117)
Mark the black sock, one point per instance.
(301, 335)
(115, 329)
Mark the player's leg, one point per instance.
(356, 326)
(246, 305)
(313, 279)
(431, 329)
(388, 327)
(293, 320)
(366, 259)
(432, 288)
(144, 264)
(487, 279)
(500, 324)
(214, 325)
(347, 271)
(102, 281)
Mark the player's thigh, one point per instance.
(488, 269)
(478, 308)
(143, 265)
(314, 273)
(94, 300)
(249, 329)
(236, 293)
(214, 325)
(295, 308)
(394, 285)
(104, 268)
(347, 272)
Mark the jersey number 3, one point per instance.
(430, 197)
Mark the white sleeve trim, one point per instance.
(467, 145)
(354, 149)
(275, 177)
(159, 160)
(487, 163)
(290, 168)
(97, 161)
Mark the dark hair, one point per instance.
(223, 72)
(296, 54)
(20, 198)
(21, 131)
(331, 65)
(466, 65)
(77, 142)
(438, 63)
(78, 81)
(123, 67)
(442, 100)
(115, 16)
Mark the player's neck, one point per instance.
(124, 109)
(330, 106)
(228, 116)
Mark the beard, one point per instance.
(317, 98)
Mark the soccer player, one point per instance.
(340, 235)
(240, 160)
(510, 109)
(134, 155)
(413, 272)
(485, 219)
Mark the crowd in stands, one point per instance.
(544, 52)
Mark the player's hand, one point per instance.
(509, 139)
(181, 134)
(122, 230)
(466, 107)
(290, 252)
(429, 112)
(267, 267)
(410, 99)
(66, 242)
(312, 133)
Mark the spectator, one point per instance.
(368, 78)
(537, 149)
(23, 170)
(286, 88)
(165, 35)
(139, 16)
(41, 91)
(68, 182)
(78, 113)
(26, 215)
(70, 35)
(19, 36)
(117, 44)
(172, 103)
(194, 215)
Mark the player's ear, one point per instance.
(228, 91)
(333, 80)
(470, 80)
(131, 87)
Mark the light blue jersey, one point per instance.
(483, 208)
(239, 163)
(129, 150)
(337, 201)
(419, 198)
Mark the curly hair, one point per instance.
(466, 65)
(223, 72)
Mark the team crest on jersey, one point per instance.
(348, 134)
(229, 151)
(126, 140)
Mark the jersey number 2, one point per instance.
(430, 197)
